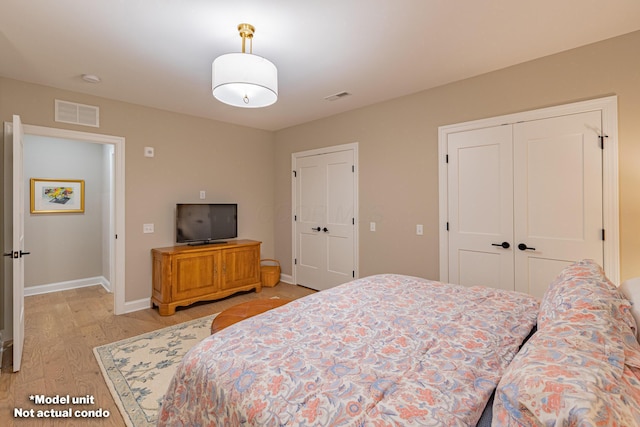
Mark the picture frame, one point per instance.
(57, 196)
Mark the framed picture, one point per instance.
(57, 196)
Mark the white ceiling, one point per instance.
(158, 53)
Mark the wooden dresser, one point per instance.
(183, 275)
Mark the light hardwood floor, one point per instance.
(61, 330)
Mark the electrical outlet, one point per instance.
(372, 226)
(147, 228)
(419, 230)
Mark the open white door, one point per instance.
(18, 252)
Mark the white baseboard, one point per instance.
(141, 304)
(64, 286)
(286, 278)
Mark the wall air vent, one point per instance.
(77, 114)
(337, 96)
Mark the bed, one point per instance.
(393, 350)
(383, 350)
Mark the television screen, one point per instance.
(202, 223)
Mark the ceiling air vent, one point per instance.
(337, 96)
(77, 114)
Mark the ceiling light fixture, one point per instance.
(244, 79)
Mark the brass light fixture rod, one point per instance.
(246, 32)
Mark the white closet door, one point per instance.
(310, 218)
(340, 218)
(325, 226)
(557, 197)
(480, 178)
(536, 186)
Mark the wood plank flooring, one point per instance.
(61, 330)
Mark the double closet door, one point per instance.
(324, 226)
(524, 201)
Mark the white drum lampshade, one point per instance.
(243, 79)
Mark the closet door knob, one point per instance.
(316, 229)
(505, 245)
(524, 247)
(326, 230)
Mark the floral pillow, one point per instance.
(578, 288)
(582, 366)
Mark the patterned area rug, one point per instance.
(138, 369)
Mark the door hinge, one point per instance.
(353, 221)
(295, 174)
(602, 137)
(295, 217)
(446, 158)
(447, 225)
(603, 235)
(353, 168)
(353, 274)
(295, 261)
(116, 237)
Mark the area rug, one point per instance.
(138, 370)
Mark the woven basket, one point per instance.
(269, 274)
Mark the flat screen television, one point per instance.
(202, 223)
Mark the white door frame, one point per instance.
(608, 106)
(116, 244)
(356, 239)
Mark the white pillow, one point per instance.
(631, 289)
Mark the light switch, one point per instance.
(372, 226)
(203, 194)
(419, 230)
(147, 228)
(148, 151)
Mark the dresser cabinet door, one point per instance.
(240, 266)
(195, 275)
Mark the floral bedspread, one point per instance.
(384, 350)
(582, 366)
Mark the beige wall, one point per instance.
(231, 163)
(398, 144)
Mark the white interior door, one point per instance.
(340, 218)
(309, 219)
(536, 186)
(565, 189)
(324, 226)
(18, 244)
(480, 177)
(557, 197)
